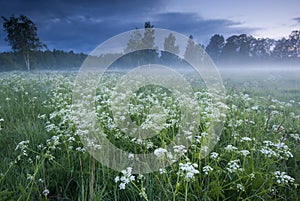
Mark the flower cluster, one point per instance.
(206, 169)
(283, 178)
(126, 178)
(278, 150)
(188, 170)
(233, 166)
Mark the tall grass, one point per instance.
(42, 157)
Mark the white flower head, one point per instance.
(214, 155)
(206, 169)
(46, 192)
(230, 148)
(245, 152)
(160, 153)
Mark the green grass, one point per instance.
(258, 139)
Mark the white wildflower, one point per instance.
(206, 169)
(246, 139)
(162, 171)
(160, 153)
(230, 148)
(130, 156)
(233, 166)
(214, 155)
(188, 170)
(179, 149)
(46, 192)
(240, 187)
(245, 152)
(126, 178)
(283, 178)
(22, 145)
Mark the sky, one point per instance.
(81, 26)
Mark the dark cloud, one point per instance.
(202, 29)
(297, 19)
(82, 25)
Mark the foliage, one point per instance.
(215, 46)
(43, 60)
(22, 36)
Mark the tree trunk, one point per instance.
(27, 61)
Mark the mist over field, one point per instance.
(149, 100)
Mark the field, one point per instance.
(257, 156)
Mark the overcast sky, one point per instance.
(82, 25)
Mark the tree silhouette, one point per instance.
(22, 36)
(193, 52)
(215, 46)
(169, 55)
(237, 48)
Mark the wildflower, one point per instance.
(46, 192)
(268, 152)
(239, 122)
(162, 171)
(143, 193)
(160, 152)
(278, 128)
(126, 178)
(80, 149)
(22, 145)
(130, 156)
(180, 149)
(254, 107)
(204, 149)
(246, 139)
(188, 170)
(233, 166)
(240, 187)
(279, 150)
(283, 178)
(245, 152)
(214, 155)
(206, 169)
(230, 148)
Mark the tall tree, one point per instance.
(261, 48)
(145, 42)
(169, 55)
(193, 52)
(148, 39)
(294, 44)
(149, 54)
(22, 36)
(280, 51)
(237, 47)
(135, 42)
(215, 46)
(169, 44)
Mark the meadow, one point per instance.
(256, 158)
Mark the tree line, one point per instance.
(30, 53)
(246, 48)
